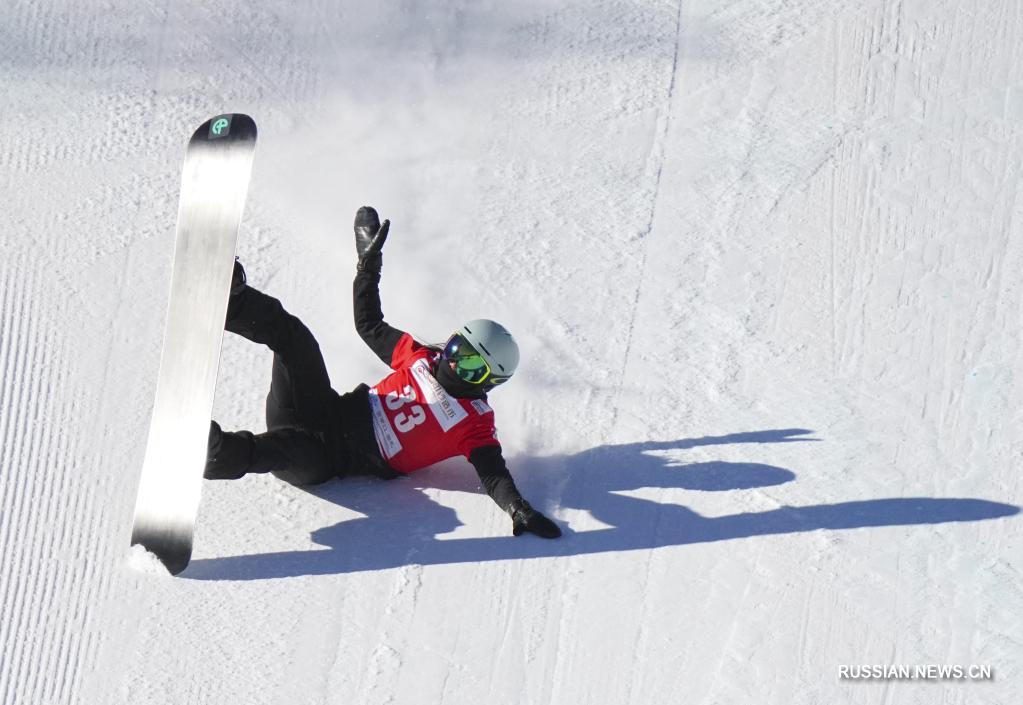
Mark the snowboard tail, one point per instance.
(214, 183)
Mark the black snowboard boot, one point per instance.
(228, 455)
(238, 287)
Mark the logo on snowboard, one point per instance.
(220, 127)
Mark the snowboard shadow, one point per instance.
(404, 526)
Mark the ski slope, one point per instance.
(764, 262)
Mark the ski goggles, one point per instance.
(470, 366)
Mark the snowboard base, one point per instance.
(214, 182)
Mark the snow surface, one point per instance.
(764, 261)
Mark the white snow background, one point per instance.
(764, 260)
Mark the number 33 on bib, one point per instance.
(412, 416)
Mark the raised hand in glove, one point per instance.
(525, 518)
(369, 238)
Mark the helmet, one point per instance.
(483, 353)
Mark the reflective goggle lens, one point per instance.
(469, 364)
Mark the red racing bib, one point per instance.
(416, 422)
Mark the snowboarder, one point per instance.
(432, 406)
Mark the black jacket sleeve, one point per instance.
(494, 475)
(369, 318)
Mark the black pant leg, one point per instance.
(294, 455)
(300, 392)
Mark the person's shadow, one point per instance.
(403, 526)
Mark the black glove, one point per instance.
(525, 518)
(369, 238)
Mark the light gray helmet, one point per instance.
(493, 342)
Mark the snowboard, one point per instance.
(214, 181)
